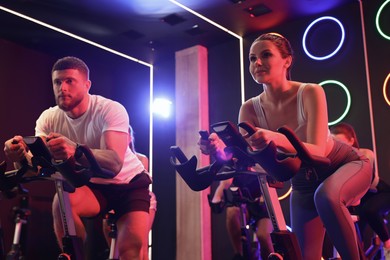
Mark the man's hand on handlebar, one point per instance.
(60, 147)
(15, 149)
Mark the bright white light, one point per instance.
(162, 107)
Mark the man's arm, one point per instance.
(218, 194)
(111, 158)
(116, 145)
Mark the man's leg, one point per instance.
(233, 225)
(83, 204)
(133, 228)
(264, 229)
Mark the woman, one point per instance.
(376, 202)
(319, 199)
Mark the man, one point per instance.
(102, 125)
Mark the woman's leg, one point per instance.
(342, 189)
(307, 225)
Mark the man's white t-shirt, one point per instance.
(102, 115)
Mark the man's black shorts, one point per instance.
(123, 198)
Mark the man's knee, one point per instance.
(129, 244)
(132, 228)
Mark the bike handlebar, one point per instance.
(281, 166)
(74, 173)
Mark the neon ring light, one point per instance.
(378, 14)
(338, 47)
(348, 99)
(385, 89)
(286, 194)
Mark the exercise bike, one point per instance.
(67, 175)
(235, 197)
(374, 252)
(281, 166)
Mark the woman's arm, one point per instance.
(316, 111)
(218, 194)
(315, 108)
(262, 137)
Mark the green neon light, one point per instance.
(378, 14)
(348, 99)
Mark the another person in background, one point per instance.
(376, 202)
(255, 209)
(319, 197)
(101, 124)
(153, 202)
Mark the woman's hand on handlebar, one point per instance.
(261, 138)
(213, 146)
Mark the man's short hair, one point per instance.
(70, 62)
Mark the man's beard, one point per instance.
(68, 106)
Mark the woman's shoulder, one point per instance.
(305, 85)
(144, 159)
(248, 106)
(248, 103)
(368, 153)
(311, 90)
(247, 111)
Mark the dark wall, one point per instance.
(224, 103)
(378, 49)
(164, 175)
(25, 91)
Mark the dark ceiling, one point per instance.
(144, 28)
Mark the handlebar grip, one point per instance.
(24, 161)
(247, 127)
(301, 149)
(204, 134)
(76, 178)
(178, 153)
(95, 167)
